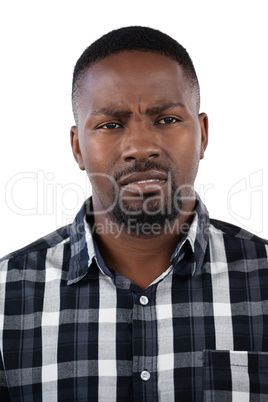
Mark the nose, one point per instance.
(140, 143)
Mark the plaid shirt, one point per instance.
(71, 330)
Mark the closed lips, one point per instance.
(150, 176)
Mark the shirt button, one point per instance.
(144, 300)
(145, 375)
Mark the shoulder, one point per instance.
(232, 243)
(234, 232)
(39, 246)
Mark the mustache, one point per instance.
(138, 166)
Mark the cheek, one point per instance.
(186, 157)
(97, 166)
(96, 155)
(103, 187)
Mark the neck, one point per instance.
(140, 258)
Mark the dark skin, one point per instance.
(137, 106)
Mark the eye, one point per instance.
(110, 126)
(167, 120)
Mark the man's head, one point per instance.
(139, 135)
(130, 39)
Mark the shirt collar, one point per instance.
(189, 254)
(186, 260)
(81, 243)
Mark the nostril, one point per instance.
(141, 149)
(132, 158)
(129, 158)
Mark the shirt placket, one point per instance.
(145, 347)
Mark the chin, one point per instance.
(145, 225)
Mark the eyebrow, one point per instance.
(162, 108)
(125, 112)
(112, 112)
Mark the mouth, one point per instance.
(142, 183)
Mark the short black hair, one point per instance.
(138, 38)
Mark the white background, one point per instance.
(41, 185)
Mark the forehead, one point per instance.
(132, 75)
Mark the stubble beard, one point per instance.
(152, 215)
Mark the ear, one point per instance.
(76, 147)
(203, 121)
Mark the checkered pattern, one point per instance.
(71, 330)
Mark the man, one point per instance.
(143, 297)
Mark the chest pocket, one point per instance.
(235, 376)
